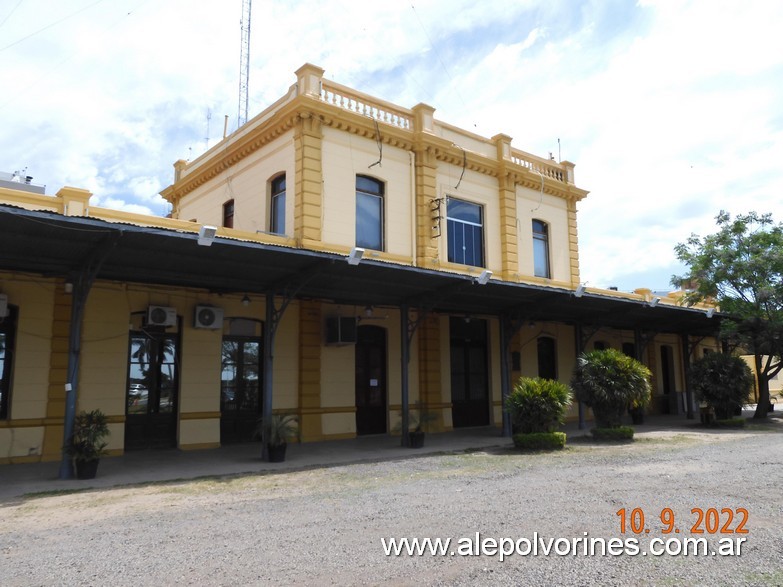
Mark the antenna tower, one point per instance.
(244, 62)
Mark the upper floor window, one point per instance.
(7, 331)
(277, 209)
(369, 213)
(541, 249)
(228, 214)
(465, 226)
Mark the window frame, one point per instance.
(451, 236)
(541, 238)
(380, 196)
(228, 213)
(275, 195)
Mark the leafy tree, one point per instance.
(723, 381)
(609, 381)
(537, 405)
(741, 268)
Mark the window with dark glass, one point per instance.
(239, 382)
(369, 213)
(547, 358)
(600, 345)
(629, 349)
(7, 331)
(541, 249)
(277, 211)
(465, 225)
(228, 214)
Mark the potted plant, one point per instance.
(609, 381)
(537, 407)
(275, 432)
(418, 419)
(88, 443)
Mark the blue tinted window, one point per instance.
(465, 232)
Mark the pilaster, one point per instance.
(58, 371)
(310, 341)
(429, 370)
(509, 239)
(573, 243)
(308, 192)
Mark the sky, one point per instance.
(671, 110)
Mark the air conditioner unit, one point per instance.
(3, 305)
(208, 317)
(161, 316)
(340, 330)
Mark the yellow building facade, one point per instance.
(349, 234)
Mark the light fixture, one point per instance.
(710, 312)
(654, 301)
(580, 291)
(484, 277)
(355, 256)
(206, 235)
(68, 287)
(246, 300)
(368, 311)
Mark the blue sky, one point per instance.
(670, 110)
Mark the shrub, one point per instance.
(540, 440)
(722, 381)
(609, 381)
(537, 405)
(618, 433)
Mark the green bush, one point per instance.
(609, 381)
(722, 381)
(537, 405)
(617, 433)
(540, 440)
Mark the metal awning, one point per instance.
(51, 244)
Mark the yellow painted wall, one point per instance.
(30, 384)
(345, 156)
(532, 204)
(479, 189)
(248, 184)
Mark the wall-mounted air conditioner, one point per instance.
(340, 330)
(161, 316)
(208, 317)
(3, 305)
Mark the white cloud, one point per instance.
(669, 109)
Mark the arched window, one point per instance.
(228, 214)
(369, 213)
(277, 207)
(547, 358)
(541, 249)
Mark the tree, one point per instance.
(609, 381)
(741, 268)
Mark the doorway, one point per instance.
(240, 389)
(152, 393)
(370, 380)
(469, 372)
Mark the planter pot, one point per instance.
(276, 452)
(86, 469)
(416, 439)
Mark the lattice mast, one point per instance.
(244, 62)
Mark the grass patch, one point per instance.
(729, 423)
(613, 434)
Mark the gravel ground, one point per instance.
(324, 527)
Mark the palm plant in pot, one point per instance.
(88, 443)
(275, 431)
